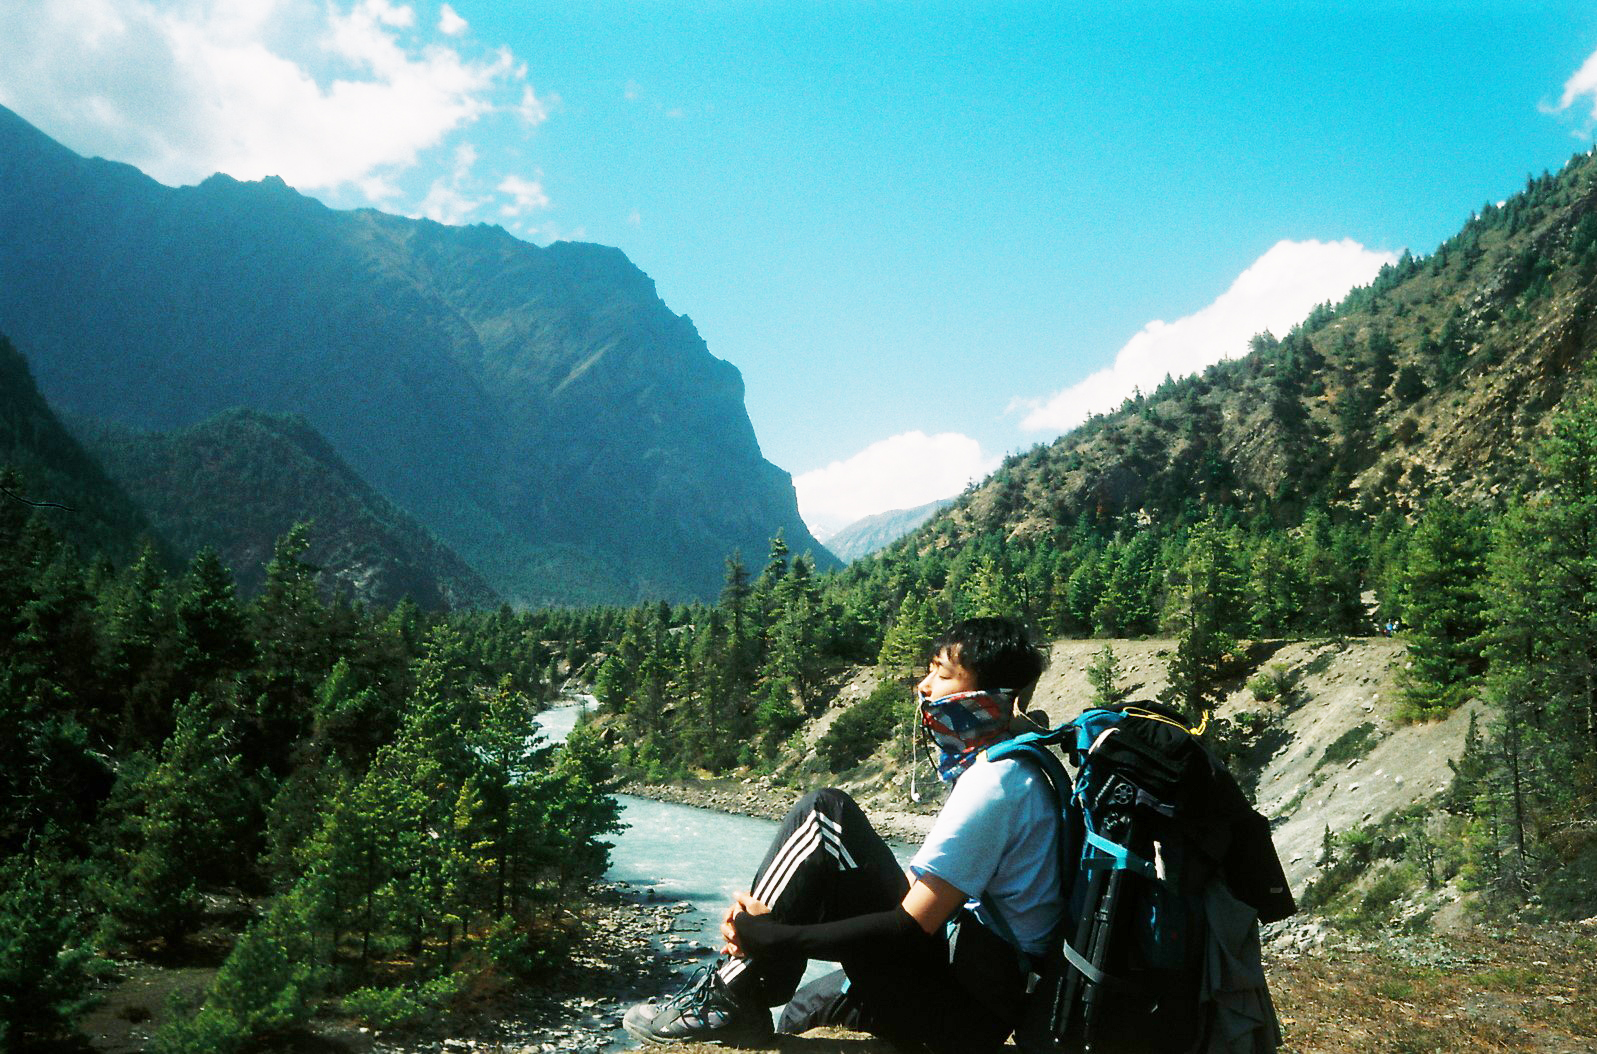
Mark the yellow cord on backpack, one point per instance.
(1137, 711)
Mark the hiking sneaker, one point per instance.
(704, 1011)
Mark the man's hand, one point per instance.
(729, 933)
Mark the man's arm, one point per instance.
(931, 902)
(928, 904)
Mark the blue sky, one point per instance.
(926, 233)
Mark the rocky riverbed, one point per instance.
(635, 948)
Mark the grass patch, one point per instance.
(1396, 989)
(1508, 979)
(1437, 994)
(1356, 742)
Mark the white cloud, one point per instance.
(326, 95)
(448, 200)
(532, 110)
(900, 472)
(527, 195)
(1582, 82)
(450, 24)
(549, 233)
(1276, 293)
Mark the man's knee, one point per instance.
(829, 801)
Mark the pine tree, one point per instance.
(1208, 597)
(1331, 569)
(582, 809)
(1542, 676)
(1274, 587)
(191, 806)
(1104, 675)
(797, 634)
(291, 625)
(139, 627)
(1084, 589)
(213, 638)
(904, 648)
(270, 982)
(989, 592)
(47, 967)
(1129, 603)
(1444, 606)
(510, 756)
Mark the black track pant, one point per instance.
(827, 862)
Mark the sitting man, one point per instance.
(831, 889)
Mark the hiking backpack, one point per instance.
(1167, 872)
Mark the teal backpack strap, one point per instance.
(1117, 857)
(1032, 748)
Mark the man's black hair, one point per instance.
(998, 651)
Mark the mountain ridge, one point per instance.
(60, 480)
(540, 409)
(1436, 378)
(879, 530)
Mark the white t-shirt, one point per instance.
(996, 841)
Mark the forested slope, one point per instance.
(1435, 379)
(51, 470)
(239, 481)
(368, 784)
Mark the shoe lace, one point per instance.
(698, 988)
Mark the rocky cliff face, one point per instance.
(539, 408)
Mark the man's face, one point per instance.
(945, 676)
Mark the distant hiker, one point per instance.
(830, 889)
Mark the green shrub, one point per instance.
(858, 732)
(46, 967)
(1263, 687)
(777, 718)
(404, 1007)
(1386, 889)
(270, 982)
(1270, 685)
(1356, 742)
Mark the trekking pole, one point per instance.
(1098, 951)
(1107, 906)
(1074, 977)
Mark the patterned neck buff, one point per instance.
(963, 725)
